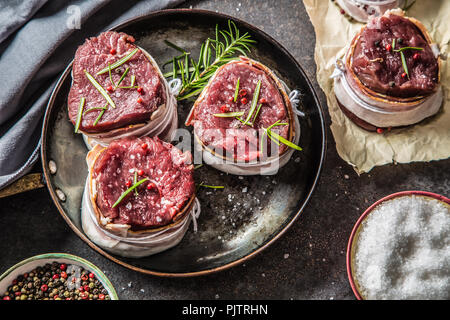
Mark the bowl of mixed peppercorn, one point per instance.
(55, 276)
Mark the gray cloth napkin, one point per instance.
(38, 38)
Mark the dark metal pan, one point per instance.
(236, 222)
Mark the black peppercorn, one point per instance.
(50, 277)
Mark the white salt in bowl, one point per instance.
(391, 263)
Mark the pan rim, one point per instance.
(228, 265)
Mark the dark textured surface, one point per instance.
(308, 262)
(234, 223)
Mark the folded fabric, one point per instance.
(38, 38)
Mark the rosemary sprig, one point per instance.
(100, 88)
(119, 62)
(229, 114)
(213, 54)
(126, 192)
(80, 113)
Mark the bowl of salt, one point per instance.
(399, 248)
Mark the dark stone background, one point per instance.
(307, 262)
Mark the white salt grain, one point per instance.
(403, 250)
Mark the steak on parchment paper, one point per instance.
(382, 71)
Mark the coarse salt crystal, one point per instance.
(402, 250)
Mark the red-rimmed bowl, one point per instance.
(356, 229)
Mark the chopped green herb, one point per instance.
(211, 187)
(119, 62)
(273, 135)
(254, 102)
(101, 114)
(80, 113)
(229, 114)
(110, 76)
(236, 92)
(93, 109)
(135, 181)
(131, 86)
(126, 192)
(256, 113)
(408, 48)
(100, 88)
(405, 66)
(122, 77)
(276, 137)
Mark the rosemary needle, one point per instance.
(236, 92)
(126, 192)
(100, 88)
(229, 114)
(254, 102)
(119, 62)
(80, 113)
(211, 187)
